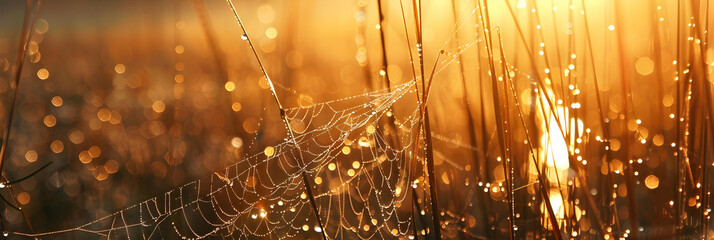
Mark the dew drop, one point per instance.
(244, 37)
(269, 151)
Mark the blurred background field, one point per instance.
(129, 100)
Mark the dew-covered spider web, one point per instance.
(365, 164)
(357, 167)
(263, 195)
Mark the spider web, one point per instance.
(366, 180)
(363, 158)
(263, 195)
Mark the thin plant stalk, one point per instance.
(601, 111)
(218, 56)
(558, 59)
(541, 85)
(705, 192)
(430, 154)
(483, 168)
(508, 136)
(380, 14)
(416, 140)
(427, 128)
(496, 106)
(210, 35)
(25, 37)
(677, 186)
(303, 173)
(469, 117)
(19, 62)
(542, 181)
(629, 173)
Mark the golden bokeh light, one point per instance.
(358, 119)
(119, 68)
(23, 198)
(269, 151)
(652, 182)
(43, 74)
(50, 121)
(31, 156)
(57, 101)
(57, 146)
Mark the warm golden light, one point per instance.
(318, 119)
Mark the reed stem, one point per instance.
(25, 37)
(291, 135)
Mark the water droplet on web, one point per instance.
(269, 151)
(364, 142)
(370, 129)
(244, 36)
